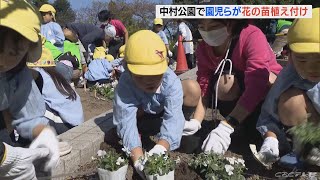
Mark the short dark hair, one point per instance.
(104, 15)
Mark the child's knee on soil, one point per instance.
(294, 107)
(191, 93)
(228, 88)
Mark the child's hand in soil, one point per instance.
(270, 150)
(219, 139)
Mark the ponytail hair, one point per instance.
(61, 83)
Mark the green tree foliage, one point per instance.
(135, 14)
(65, 13)
(186, 2)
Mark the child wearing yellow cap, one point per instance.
(64, 108)
(49, 28)
(149, 98)
(294, 95)
(19, 95)
(157, 28)
(100, 70)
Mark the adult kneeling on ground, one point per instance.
(236, 68)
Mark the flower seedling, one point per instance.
(159, 164)
(104, 90)
(214, 166)
(307, 133)
(110, 160)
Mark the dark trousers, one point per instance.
(247, 130)
(114, 47)
(4, 134)
(60, 127)
(190, 61)
(148, 125)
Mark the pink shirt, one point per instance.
(120, 28)
(251, 55)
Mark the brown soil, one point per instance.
(92, 106)
(182, 171)
(238, 146)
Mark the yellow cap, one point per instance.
(146, 54)
(121, 51)
(49, 8)
(304, 34)
(46, 59)
(109, 57)
(23, 18)
(158, 21)
(99, 53)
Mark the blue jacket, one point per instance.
(98, 69)
(163, 37)
(128, 97)
(20, 94)
(53, 33)
(118, 64)
(69, 111)
(287, 78)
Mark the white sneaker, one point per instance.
(64, 148)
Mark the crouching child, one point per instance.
(149, 99)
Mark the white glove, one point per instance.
(53, 41)
(270, 149)
(18, 163)
(175, 45)
(191, 127)
(157, 149)
(138, 166)
(170, 53)
(218, 140)
(47, 138)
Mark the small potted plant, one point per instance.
(111, 165)
(159, 167)
(213, 166)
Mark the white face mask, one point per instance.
(215, 37)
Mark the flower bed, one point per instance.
(183, 171)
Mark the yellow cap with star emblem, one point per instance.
(146, 54)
